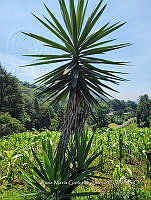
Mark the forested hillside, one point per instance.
(23, 107)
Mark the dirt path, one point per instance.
(126, 123)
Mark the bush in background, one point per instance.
(9, 125)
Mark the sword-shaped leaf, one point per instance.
(88, 27)
(59, 26)
(73, 23)
(65, 16)
(79, 13)
(45, 40)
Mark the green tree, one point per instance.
(131, 107)
(36, 114)
(59, 109)
(11, 99)
(101, 114)
(28, 98)
(45, 116)
(144, 111)
(77, 78)
(118, 106)
(26, 120)
(36, 106)
(9, 125)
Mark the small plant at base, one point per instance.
(57, 177)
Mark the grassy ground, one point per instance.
(123, 152)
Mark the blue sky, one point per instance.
(16, 16)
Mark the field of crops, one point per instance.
(125, 167)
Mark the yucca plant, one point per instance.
(57, 179)
(77, 78)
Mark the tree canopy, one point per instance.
(10, 94)
(144, 111)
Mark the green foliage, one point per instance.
(26, 120)
(117, 105)
(53, 125)
(58, 178)
(38, 114)
(144, 111)
(135, 143)
(101, 114)
(120, 107)
(115, 118)
(9, 125)
(128, 194)
(15, 194)
(122, 194)
(11, 99)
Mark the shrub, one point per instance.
(55, 176)
(9, 125)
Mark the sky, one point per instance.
(15, 16)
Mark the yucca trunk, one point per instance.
(76, 114)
